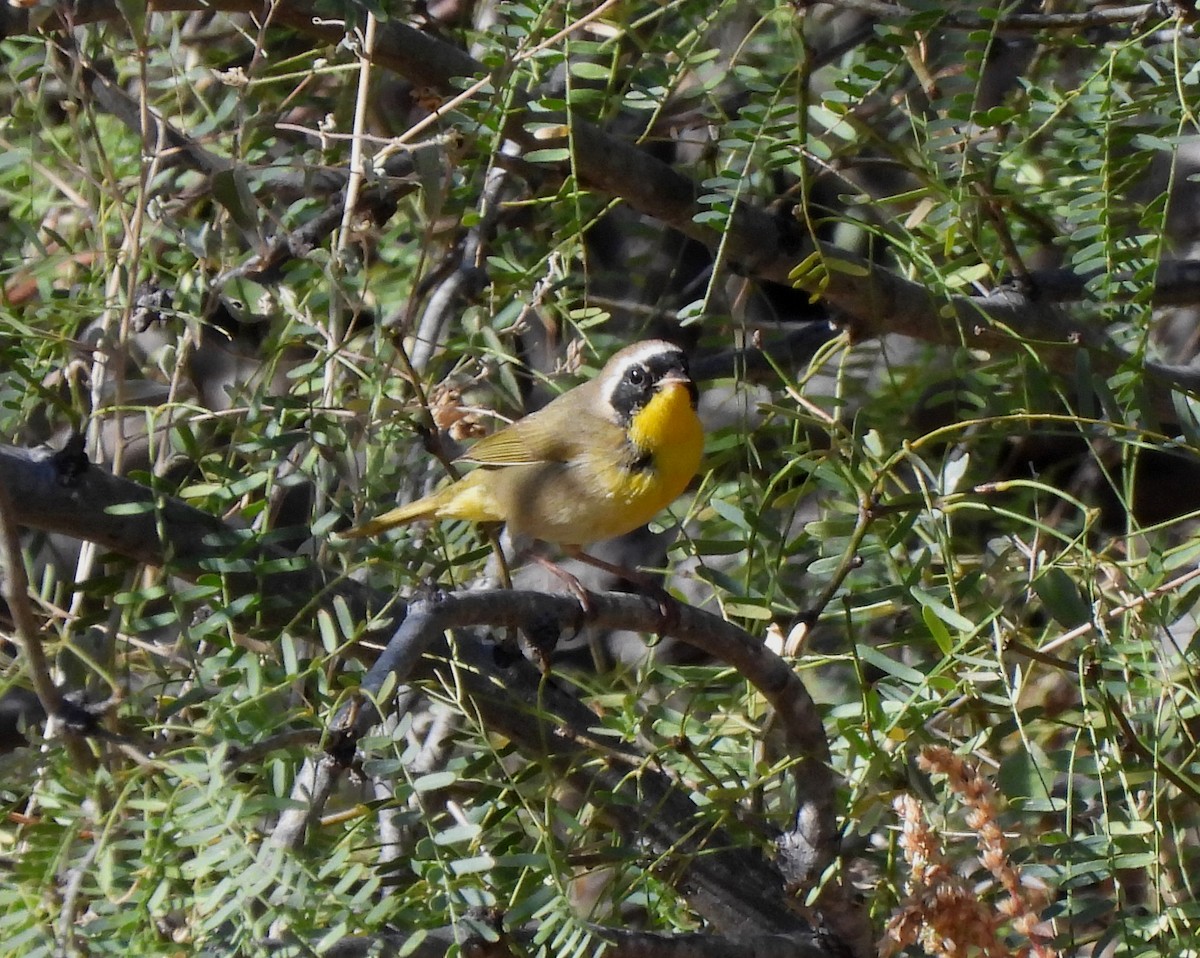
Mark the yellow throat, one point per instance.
(668, 429)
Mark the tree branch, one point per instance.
(1096, 16)
(812, 845)
(622, 943)
(732, 885)
(79, 500)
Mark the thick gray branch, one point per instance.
(622, 943)
(87, 502)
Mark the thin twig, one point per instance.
(354, 183)
(16, 594)
(1095, 16)
(849, 562)
(72, 889)
(1120, 610)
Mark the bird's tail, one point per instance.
(469, 498)
(421, 509)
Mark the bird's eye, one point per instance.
(636, 376)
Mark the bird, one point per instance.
(598, 461)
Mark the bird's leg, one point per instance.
(493, 534)
(668, 606)
(574, 586)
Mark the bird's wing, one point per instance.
(536, 438)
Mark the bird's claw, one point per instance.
(668, 611)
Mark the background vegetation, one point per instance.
(933, 690)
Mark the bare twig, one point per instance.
(354, 183)
(73, 886)
(1115, 613)
(16, 595)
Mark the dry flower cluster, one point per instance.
(944, 914)
(450, 414)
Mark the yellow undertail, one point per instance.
(466, 499)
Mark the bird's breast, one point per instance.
(668, 433)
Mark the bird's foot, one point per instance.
(668, 609)
(668, 605)
(574, 586)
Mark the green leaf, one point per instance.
(937, 628)
(590, 71)
(549, 155)
(749, 610)
(231, 190)
(890, 666)
(434, 781)
(1061, 598)
(948, 615)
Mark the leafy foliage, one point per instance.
(984, 545)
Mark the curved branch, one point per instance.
(621, 943)
(813, 842)
(731, 884)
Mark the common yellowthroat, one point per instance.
(594, 463)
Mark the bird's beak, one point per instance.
(681, 379)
